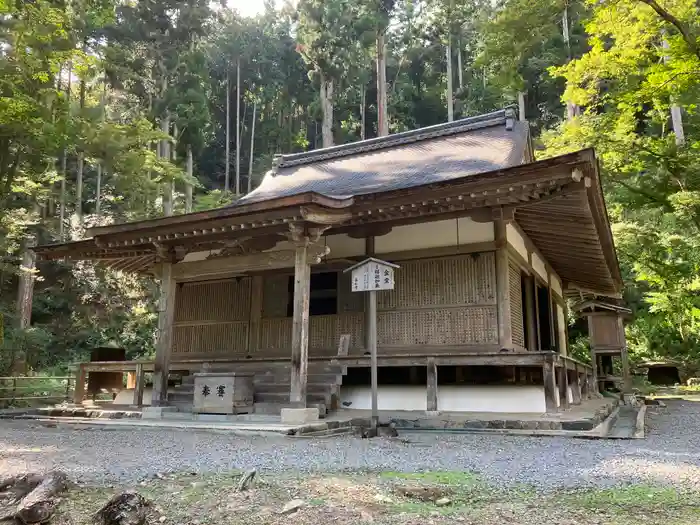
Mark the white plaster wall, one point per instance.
(454, 232)
(473, 232)
(344, 246)
(561, 325)
(451, 398)
(539, 267)
(516, 240)
(556, 284)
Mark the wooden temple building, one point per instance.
(490, 245)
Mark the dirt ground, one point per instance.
(397, 498)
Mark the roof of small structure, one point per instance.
(606, 305)
(413, 158)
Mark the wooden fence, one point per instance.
(33, 390)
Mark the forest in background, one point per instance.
(116, 110)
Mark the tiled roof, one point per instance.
(434, 154)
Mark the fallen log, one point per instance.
(127, 508)
(39, 504)
(14, 488)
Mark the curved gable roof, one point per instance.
(404, 160)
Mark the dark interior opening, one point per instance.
(663, 375)
(546, 342)
(323, 296)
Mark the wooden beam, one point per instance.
(432, 400)
(551, 394)
(166, 315)
(246, 263)
(505, 333)
(369, 252)
(300, 323)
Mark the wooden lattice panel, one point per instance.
(439, 326)
(227, 300)
(211, 339)
(324, 333)
(516, 305)
(275, 295)
(446, 281)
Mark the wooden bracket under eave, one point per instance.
(503, 213)
(320, 215)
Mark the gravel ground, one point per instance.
(670, 455)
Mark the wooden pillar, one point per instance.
(138, 385)
(256, 299)
(505, 334)
(537, 314)
(432, 386)
(585, 385)
(369, 252)
(553, 335)
(372, 346)
(530, 316)
(300, 323)
(626, 378)
(563, 381)
(79, 390)
(576, 387)
(130, 380)
(551, 395)
(166, 315)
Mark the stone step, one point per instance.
(283, 397)
(274, 408)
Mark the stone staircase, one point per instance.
(272, 384)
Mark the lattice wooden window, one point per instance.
(516, 305)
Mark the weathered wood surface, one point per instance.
(432, 386)
(372, 344)
(126, 508)
(138, 386)
(505, 333)
(79, 388)
(530, 316)
(164, 347)
(551, 394)
(300, 323)
(31, 498)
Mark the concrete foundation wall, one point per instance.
(451, 398)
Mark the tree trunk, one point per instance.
(460, 73)
(165, 154)
(327, 111)
(521, 106)
(238, 126)
(64, 166)
(450, 98)
(227, 168)
(252, 148)
(188, 187)
(382, 111)
(81, 166)
(98, 191)
(363, 95)
(127, 508)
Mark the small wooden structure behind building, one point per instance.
(606, 331)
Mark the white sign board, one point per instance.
(372, 275)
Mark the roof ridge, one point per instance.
(494, 118)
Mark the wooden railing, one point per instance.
(31, 390)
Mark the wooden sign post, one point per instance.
(372, 275)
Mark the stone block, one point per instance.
(156, 412)
(299, 416)
(577, 425)
(474, 425)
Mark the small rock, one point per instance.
(158, 475)
(162, 519)
(293, 506)
(381, 498)
(443, 502)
